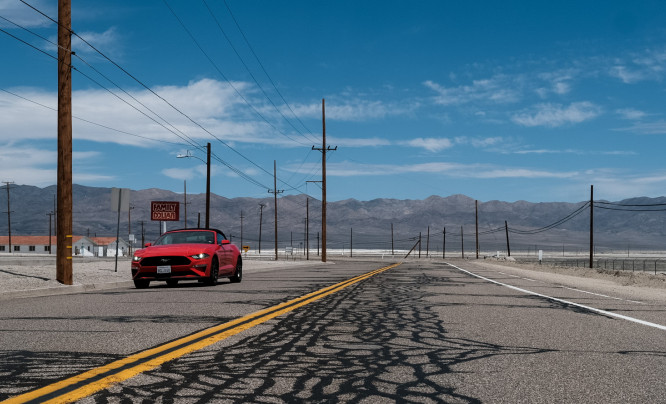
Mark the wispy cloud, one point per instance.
(553, 115)
(430, 144)
(108, 42)
(143, 120)
(23, 15)
(631, 114)
(355, 109)
(499, 89)
(649, 65)
(358, 142)
(454, 170)
(647, 128)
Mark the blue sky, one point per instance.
(511, 100)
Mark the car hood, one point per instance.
(176, 249)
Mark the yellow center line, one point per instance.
(97, 379)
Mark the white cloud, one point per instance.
(106, 42)
(553, 115)
(454, 170)
(358, 142)
(210, 103)
(647, 128)
(631, 114)
(28, 165)
(499, 89)
(650, 65)
(23, 15)
(353, 110)
(430, 144)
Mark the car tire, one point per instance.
(238, 274)
(214, 273)
(141, 283)
(172, 283)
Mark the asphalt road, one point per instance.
(419, 332)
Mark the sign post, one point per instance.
(119, 203)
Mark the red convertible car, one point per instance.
(187, 254)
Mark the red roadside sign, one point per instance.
(166, 211)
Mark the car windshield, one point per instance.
(187, 237)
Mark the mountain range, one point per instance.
(448, 222)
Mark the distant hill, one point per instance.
(368, 222)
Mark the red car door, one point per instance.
(225, 255)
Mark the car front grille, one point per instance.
(170, 260)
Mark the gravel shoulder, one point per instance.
(31, 277)
(625, 284)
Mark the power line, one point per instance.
(149, 89)
(247, 42)
(91, 122)
(555, 224)
(251, 74)
(189, 33)
(184, 137)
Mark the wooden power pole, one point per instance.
(591, 226)
(275, 193)
(323, 150)
(64, 216)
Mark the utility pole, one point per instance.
(129, 229)
(462, 242)
(476, 215)
(444, 243)
(307, 228)
(64, 171)
(242, 217)
(275, 193)
(9, 215)
(591, 226)
(508, 247)
(428, 244)
(50, 214)
(207, 185)
(261, 220)
(323, 151)
(143, 235)
(185, 200)
(392, 250)
(351, 242)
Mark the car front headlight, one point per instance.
(200, 256)
(136, 259)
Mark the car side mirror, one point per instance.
(148, 244)
(226, 242)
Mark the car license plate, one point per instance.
(164, 269)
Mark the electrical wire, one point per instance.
(193, 143)
(262, 66)
(91, 122)
(149, 89)
(552, 225)
(189, 33)
(217, 22)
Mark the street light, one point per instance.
(207, 178)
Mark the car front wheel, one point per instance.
(141, 283)
(238, 275)
(214, 273)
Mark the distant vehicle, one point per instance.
(203, 255)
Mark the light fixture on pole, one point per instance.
(207, 162)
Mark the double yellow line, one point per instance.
(92, 381)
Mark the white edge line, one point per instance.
(599, 294)
(604, 312)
